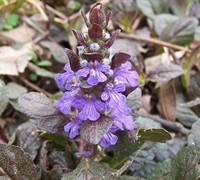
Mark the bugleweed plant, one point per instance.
(93, 110)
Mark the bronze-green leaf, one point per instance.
(154, 135)
(16, 164)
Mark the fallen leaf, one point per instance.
(167, 101)
(20, 34)
(13, 62)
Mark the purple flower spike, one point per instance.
(65, 103)
(73, 127)
(109, 138)
(66, 77)
(124, 121)
(124, 74)
(95, 71)
(115, 99)
(91, 106)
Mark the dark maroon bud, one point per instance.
(96, 15)
(73, 60)
(118, 59)
(79, 38)
(110, 41)
(95, 31)
(92, 56)
(85, 19)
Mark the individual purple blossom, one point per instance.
(95, 71)
(116, 100)
(124, 121)
(109, 138)
(66, 77)
(73, 127)
(66, 102)
(91, 108)
(124, 74)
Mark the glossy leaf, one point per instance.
(16, 164)
(43, 112)
(154, 135)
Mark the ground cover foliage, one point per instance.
(162, 40)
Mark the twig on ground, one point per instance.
(176, 126)
(127, 164)
(31, 24)
(34, 87)
(154, 41)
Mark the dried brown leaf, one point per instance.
(167, 101)
(13, 62)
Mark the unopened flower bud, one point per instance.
(94, 47)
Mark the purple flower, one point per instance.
(109, 138)
(95, 71)
(124, 74)
(66, 102)
(124, 121)
(91, 106)
(63, 78)
(73, 127)
(116, 100)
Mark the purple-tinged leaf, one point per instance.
(108, 17)
(28, 139)
(43, 112)
(92, 132)
(95, 31)
(79, 38)
(93, 56)
(88, 169)
(73, 60)
(118, 59)
(109, 43)
(16, 164)
(165, 72)
(96, 14)
(85, 19)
